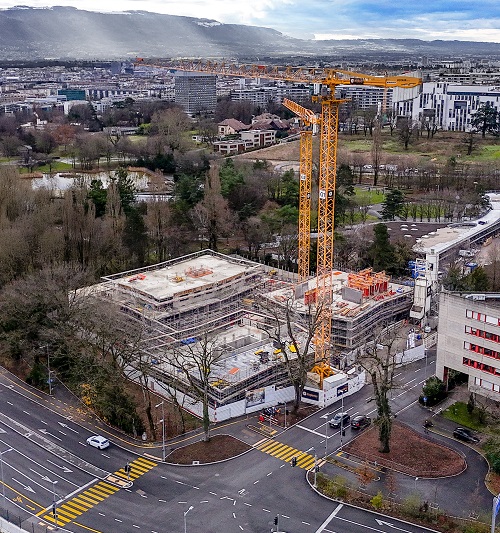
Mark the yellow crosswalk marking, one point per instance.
(285, 453)
(92, 496)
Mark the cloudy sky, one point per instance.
(474, 20)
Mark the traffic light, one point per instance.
(343, 433)
(54, 510)
(127, 469)
(276, 520)
(294, 461)
(316, 468)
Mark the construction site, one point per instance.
(262, 325)
(227, 299)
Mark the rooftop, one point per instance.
(176, 278)
(442, 239)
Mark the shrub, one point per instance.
(377, 501)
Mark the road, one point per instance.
(45, 458)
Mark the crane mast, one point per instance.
(309, 118)
(328, 122)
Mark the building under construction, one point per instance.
(222, 296)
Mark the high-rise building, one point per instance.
(195, 92)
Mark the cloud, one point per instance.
(336, 19)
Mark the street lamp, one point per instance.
(315, 464)
(163, 425)
(416, 479)
(326, 436)
(1, 468)
(46, 346)
(185, 513)
(342, 421)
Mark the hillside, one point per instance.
(70, 33)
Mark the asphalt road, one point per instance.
(48, 459)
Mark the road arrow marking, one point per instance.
(382, 523)
(65, 469)
(25, 487)
(62, 424)
(45, 432)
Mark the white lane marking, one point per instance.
(269, 474)
(138, 527)
(118, 520)
(396, 375)
(62, 424)
(164, 501)
(26, 413)
(65, 469)
(411, 381)
(247, 504)
(310, 430)
(102, 514)
(213, 493)
(327, 521)
(266, 510)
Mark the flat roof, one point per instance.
(340, 306)
(184, 276)
(445, 238)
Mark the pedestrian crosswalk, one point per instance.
(69, 510)
(286, 453)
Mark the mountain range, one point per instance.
(70, 33)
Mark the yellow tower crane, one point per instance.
(309, 119)
(324, 80)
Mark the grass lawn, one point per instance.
(368, 197)
(459, 414)
(57, 166)
(488, 153)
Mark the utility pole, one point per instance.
(163, 426)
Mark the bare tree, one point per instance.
(378, 358)
(287, 326)
(407, 131)
(195, 362)
(212, 215)
(376, 150)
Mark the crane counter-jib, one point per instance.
(329, 77)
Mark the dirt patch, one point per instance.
(219, 447)
(410, 453)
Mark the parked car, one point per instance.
(98, 441)
(340, 419)
(360, 422)
(465, 435)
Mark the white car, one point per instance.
(98, 441)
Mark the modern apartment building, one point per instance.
(449, 105)
(469, 340)
(195, 92)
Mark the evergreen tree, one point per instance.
(381, 252)
(485, 119)
(393, 204)
(344, 191)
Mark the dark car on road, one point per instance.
(340, 419)
(360, 422)
(465, 435)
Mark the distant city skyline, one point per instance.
(462, 20)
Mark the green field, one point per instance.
(368, 197)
